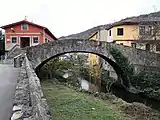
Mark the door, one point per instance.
(25, 42)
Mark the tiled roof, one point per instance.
(24, 21)
(147, 18)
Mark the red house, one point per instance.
(25, 33)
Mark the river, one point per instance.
(130, 97)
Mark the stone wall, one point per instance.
(29, 102)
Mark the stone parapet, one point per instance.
(29, 102)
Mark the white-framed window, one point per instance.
(24, 26)
(35, 40)
(120, 31)
(14, 39)
(141, 30)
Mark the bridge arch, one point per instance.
(40, 54)
(115, 66)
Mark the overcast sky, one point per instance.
(64, 17)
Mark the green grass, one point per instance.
(67, 104)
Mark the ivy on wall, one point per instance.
(123, 63)
(147, 82)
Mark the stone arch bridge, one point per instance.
(141, 60)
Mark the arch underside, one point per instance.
(115, 66)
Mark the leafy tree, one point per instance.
(147, 79)
(54, 68)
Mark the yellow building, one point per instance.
(134, 32)
(124, 34)
(141, 35)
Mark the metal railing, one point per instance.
(12, 50)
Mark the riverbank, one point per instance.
(69, 104)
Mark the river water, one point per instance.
(130, 97)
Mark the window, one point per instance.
(158, 47)
(133, 45)
(148, 47)
(35, 39)
(24, 26)
(110, 33)
(149, 30)
(14, 39)
(142, 30)
(119, 31)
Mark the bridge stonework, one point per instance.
(141, 60)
